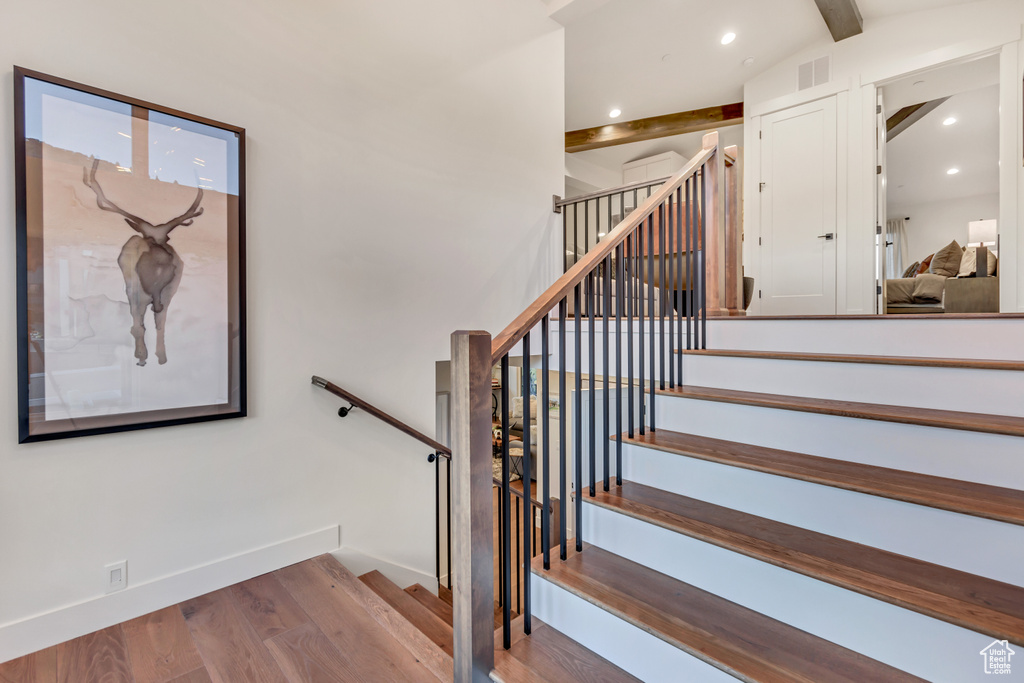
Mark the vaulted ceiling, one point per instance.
(653, 57)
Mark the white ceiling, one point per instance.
(653, 57)
(917, 159)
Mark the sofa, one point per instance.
(947, 281)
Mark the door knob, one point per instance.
(827, 235)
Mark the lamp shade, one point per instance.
(982, 232)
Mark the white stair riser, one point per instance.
(630, 648)
(921, 645)
(971, 456)
(971, 544)
(996, 392)
(997, 339)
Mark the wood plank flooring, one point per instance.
(302, 623)
(955, 495)
(946, 419)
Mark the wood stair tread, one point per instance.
(930, 362)
(550, 655)
(970, 498)
(730, 637)
(974, 602)
(439, 607)
(409, 607)
(928, 417)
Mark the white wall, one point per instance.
(401, 162)
(935, 224)
(888, 48)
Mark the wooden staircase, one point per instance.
(752, 535)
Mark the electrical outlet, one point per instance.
(116, 576)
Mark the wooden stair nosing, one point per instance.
(555, 657)
(409, 607)
(954, 495)
(728, 636)
(926, 417)
(432, 602)
(914, 361)
(977, 603)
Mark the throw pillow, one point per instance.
(912, 270)
(969, 263)
(923, 268)
(946, 261)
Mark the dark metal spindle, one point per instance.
(591, 391)
(650, 310)
(527, 478)
(437, 520)
(670, 287)
(619, 294)
(565, 238)
(578, 412)
(448, 473)
(606, 309)
(519, 564)
(679, 276)
(563, 404)
(661, 302)
(545, 517)
(641, 277)
(575, 233)
(586, 226)
(631, 245)
(691, 246)
(506, 532)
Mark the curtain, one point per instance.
(895, 247)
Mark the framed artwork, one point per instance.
(131, 262)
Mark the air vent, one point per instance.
(814, 73)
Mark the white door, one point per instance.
(798, 210)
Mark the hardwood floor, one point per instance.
(299, 624)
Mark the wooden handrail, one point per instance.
(439, 449)
(508, 337)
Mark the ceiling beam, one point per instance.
(842, 18)
(654, 127)
(908, 116)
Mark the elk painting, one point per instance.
(152, 269)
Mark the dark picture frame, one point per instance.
(130, 224)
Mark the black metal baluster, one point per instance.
(591, 391)
(565, 238)
(519, 564)
(661, 302)
(640, 284)
(607, 308)
(437, 520)
(650, 310)
(586, 227)
(631, 244)
(691, 247)
(506, 531)
(575, 233)
(563, 404)
(527, 478)
(679, 277)
(670, 287)
(545, 517)
(578, 413)
(597, 221)
(620, 292)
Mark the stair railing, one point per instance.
(663, 268)
(439, 452)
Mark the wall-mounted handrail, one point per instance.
(563, 286)
(439, 449)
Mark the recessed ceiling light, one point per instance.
(953, 171)
(950, 121)
(728, 38)
(615, 113)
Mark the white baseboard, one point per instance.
(359, 563)
(40, 631)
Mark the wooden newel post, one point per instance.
(472, 519)
(733, 231)
(714, 249)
